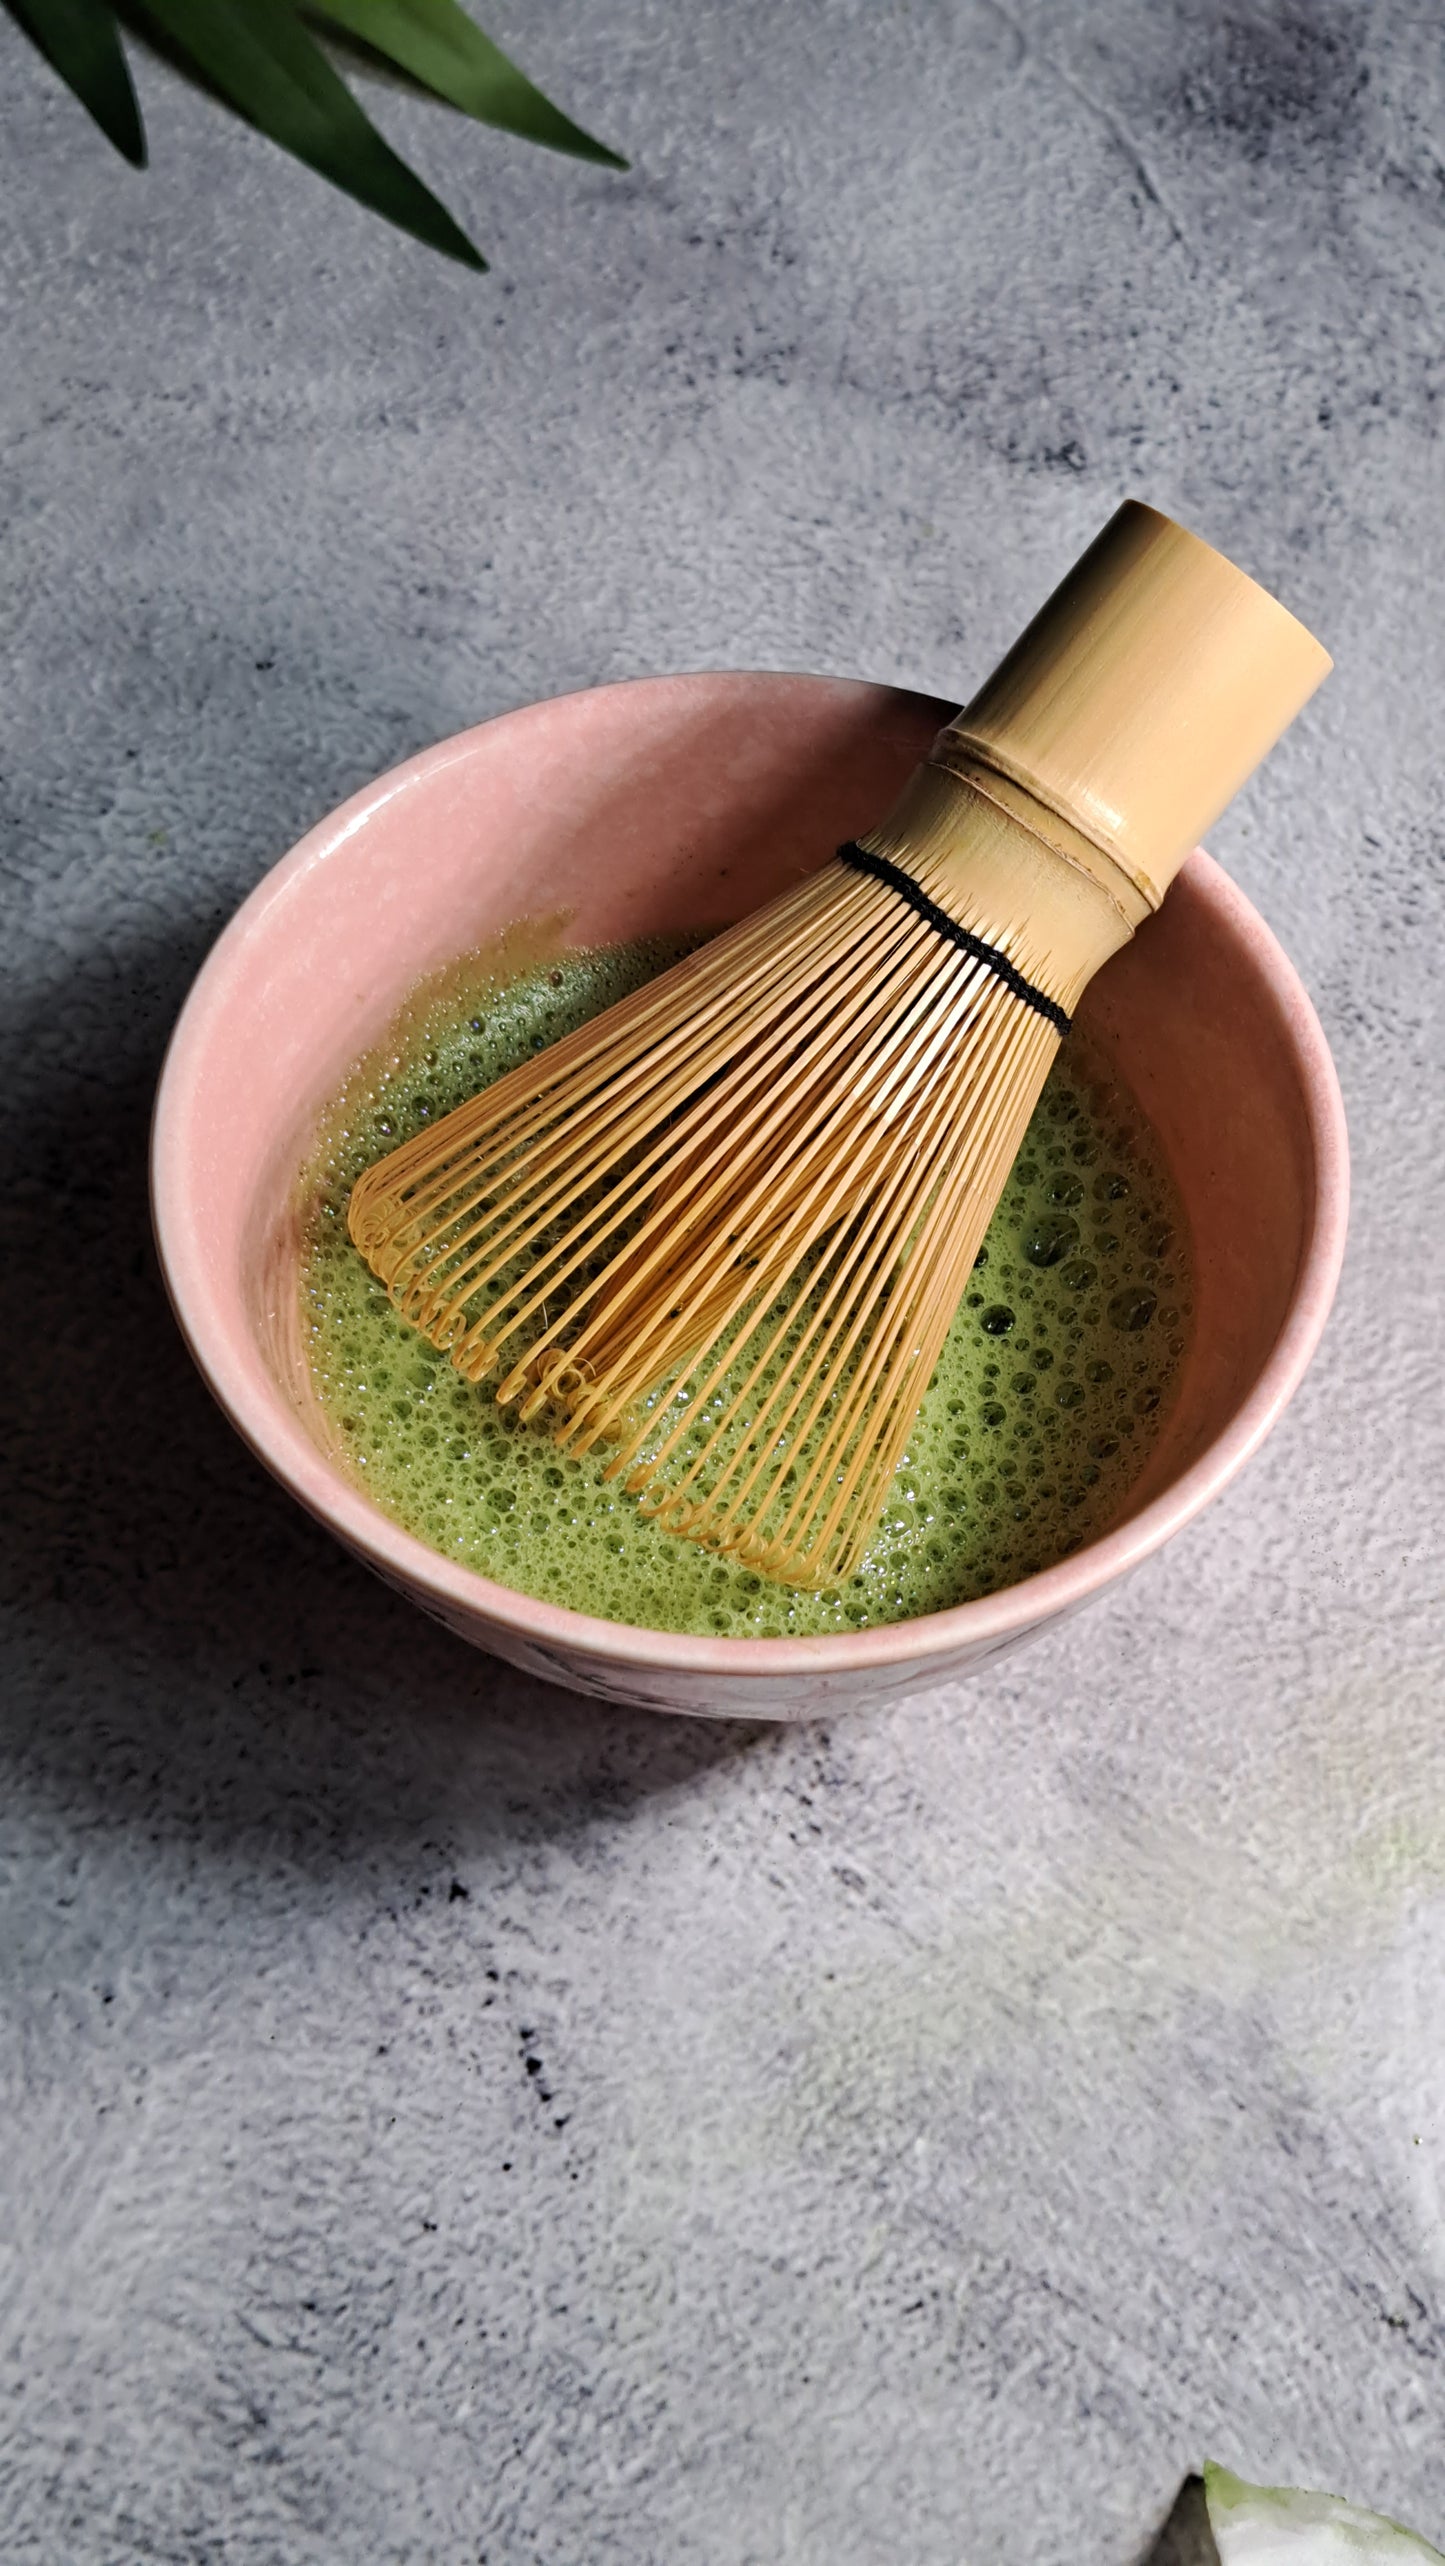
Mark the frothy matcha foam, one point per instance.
(1047, 1396)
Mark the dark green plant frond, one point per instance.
(80, 40)
(259, 58)
(446, 52)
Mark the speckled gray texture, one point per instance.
(446, 2121)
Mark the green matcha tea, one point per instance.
(1046, 1399)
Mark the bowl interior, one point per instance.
(651, 808)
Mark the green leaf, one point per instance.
(80, 40)
(1284, 2526)
(440, 46)
(258, 57)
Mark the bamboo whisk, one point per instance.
(723, 1229)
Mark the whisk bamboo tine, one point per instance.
(852, 1410)
(723, 1229)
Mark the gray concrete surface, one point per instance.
(947, 2130)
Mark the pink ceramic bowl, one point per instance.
(656, 807)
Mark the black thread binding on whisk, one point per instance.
(859, 860)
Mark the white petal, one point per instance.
(1284, 2526)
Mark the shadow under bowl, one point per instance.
(656, 808)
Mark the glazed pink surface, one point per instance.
(659, 806)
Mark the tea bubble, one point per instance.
(1132, 1308)
(1048, 1241)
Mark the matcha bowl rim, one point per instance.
(655, 806)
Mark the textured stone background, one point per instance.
(945, 2130)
